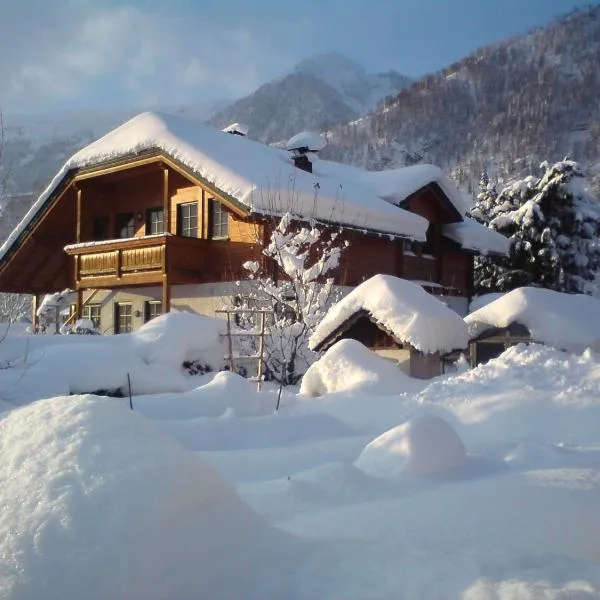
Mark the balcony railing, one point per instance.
(137, 261)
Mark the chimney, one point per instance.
(237, 129)
(304, 148)
(301, 161)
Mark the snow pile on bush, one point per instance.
(348, 366)
(425, 445)
(97, 504)
(567, 321)
(153, 356)
(173, 338)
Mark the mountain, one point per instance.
(505, 108)
(319, 93)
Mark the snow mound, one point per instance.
(98, 504)
(404, 309)
(220, 393)
(172, 338)
(566, 321)
(425, 445)
(348, 366)
(532, 392)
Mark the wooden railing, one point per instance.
(135, 261)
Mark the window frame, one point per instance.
(184, 222)
(88, 309)
(147, 309)
(118, 327)
(218, 221)
(150, 223)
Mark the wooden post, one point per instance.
(166, 283)
(79, 308)
(230, 344)
(166, 203)
(78, 215)
(35, 321)
(261, 351)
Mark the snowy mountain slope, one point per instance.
(505, 107)
(321, 91)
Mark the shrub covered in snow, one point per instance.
(425, 445)
(348, 366)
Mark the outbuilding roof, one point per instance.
(403, 309)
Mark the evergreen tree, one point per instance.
(552, 223)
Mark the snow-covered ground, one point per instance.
(481, 485)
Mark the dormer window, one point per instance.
(218, 219)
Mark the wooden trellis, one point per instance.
(260, 356)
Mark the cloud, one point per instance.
(141, 57)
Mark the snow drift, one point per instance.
(99, 504)
(348, 366)
(425, 445)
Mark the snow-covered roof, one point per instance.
(261, 178)
(395, 185)
(402, 308)
(471, 235)
(566, 321)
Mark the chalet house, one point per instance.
(398, 320)
(161, 213)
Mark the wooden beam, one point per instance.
(35, 321)
(130, 164)
(166, 282)
(78, 215)
(166, 201)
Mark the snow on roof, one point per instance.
(566, 321)
(260, 177)
(312, 141)
(404, 309)
(395, 185)
(471, 235)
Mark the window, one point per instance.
(219, 220)
(123, 317)
(153, 309)
(155, 221)
(125, 225)
(187, 219)
(92, 313)
(101, 229)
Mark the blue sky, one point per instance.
(64, 54)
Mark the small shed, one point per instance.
(568, 322)
(397, 319)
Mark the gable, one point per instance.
(433, 204)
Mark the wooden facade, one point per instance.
(148, 222)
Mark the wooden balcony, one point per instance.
(138, 261)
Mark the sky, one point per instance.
(90, 54)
